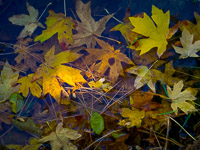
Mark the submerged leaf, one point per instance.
(17, 102)
(97, 122)
(61, 138)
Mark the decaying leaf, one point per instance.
(189, 48)
(57, 23)
(29, 21)
(134, 117)
(8, 82)
(61, 138)
(194, 29)
(32, 145)
(28, 125)
(109, 59)
(88, 28)
(145, 76)
(17, 102)
(27, 57)
(26, 84)
(182, 99)
(157, 34)
(4, 113)
(143, 100)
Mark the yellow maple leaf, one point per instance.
(134, 117)
(26, 83)
(189, 48)
(100, 84)
(182, 100)
(52, 71)
(57, 23)
(157, 34)
(109, 59)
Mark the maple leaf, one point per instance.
(29, 21)
(7, 82)
(143, 100)
(189, 48)
(145, 76)
(109, 59)
(61, 138)
(191, 27)
(181, 99)
(134, 117)
(51, 71)
(26, 84)
(157, 34)
(100, 84)
(27, 57)
(88, 28)
(57, 23)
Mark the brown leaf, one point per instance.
(88, 28)
(109, 59)
(5, 109)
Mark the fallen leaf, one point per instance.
(100, 85)
(51, 71)
(145, 76)
(61, 138)
(134, 117)
(109, 59)
(88, 28)
(191, 27)
(26, 84)
(143, 100)
(60, 24)
(189, 48)
(181, 99)
(27, 57)
(17, 102)
(28, 125)
(8, 82)
(33, 144)
(97, 123)
(29, 21)
(157, 34)
(4, 113)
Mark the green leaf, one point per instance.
(29, 126)
(97, 123)
(17, 102)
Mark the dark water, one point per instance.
(179, 9)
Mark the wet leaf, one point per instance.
(181, 99)
(88, 28)
(8, 82)
(57, 23)
(17, 102)
(4, 113)
(28, 125)
(61, 138)
(157, 34)
(109, 59)
(189, 48)
(26, 84)
(29, 21)
(97, 123)
(134, 117)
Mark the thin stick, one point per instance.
(114, 17)
(182, 128)
(65, 7)
(167, 135)
(44, 11)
